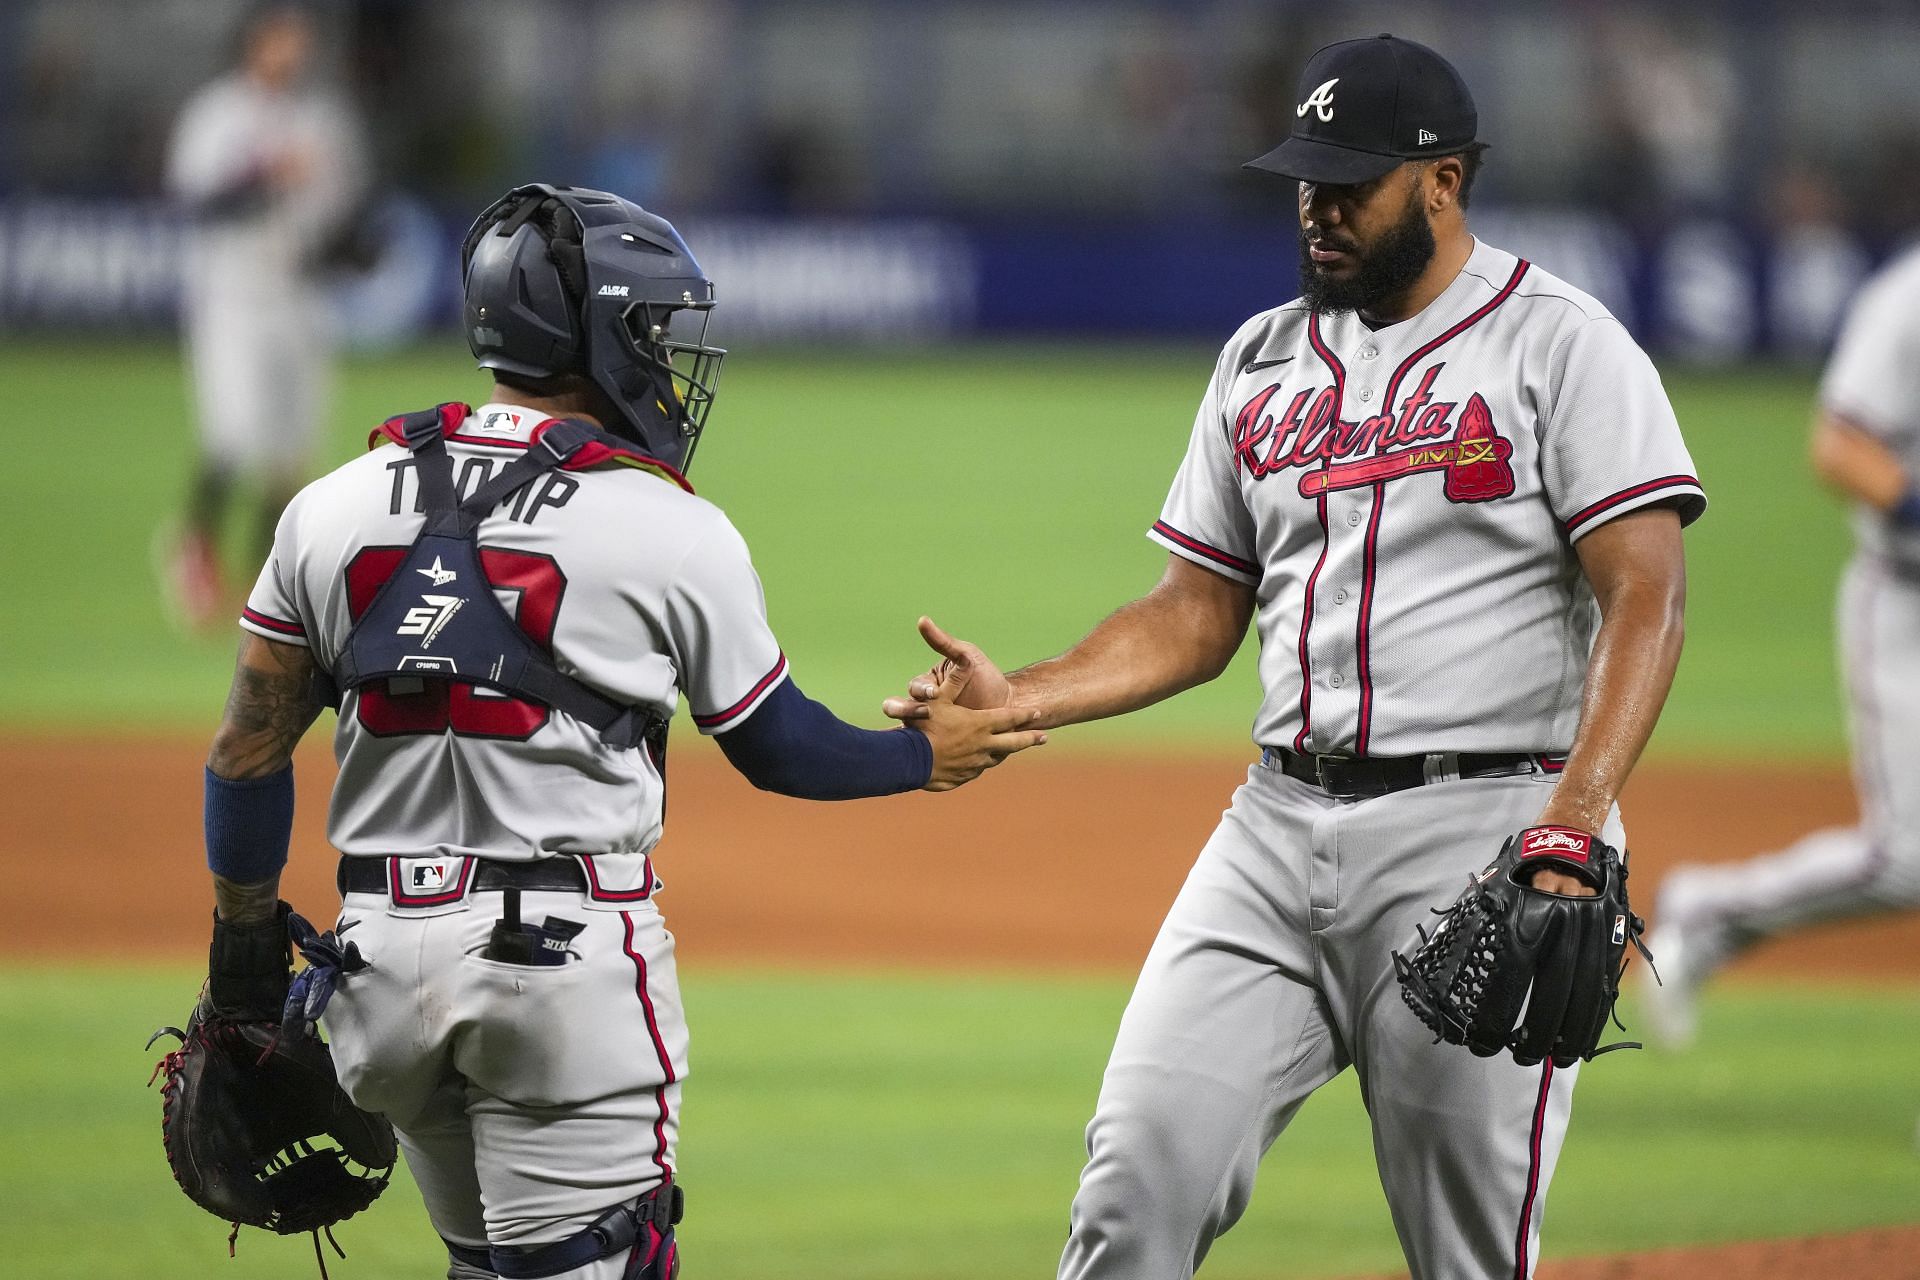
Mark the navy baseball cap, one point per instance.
(1366, 106)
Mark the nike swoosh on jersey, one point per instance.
(1252, 365)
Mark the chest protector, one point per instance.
(437, 618)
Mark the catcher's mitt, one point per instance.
(246, 1098)
(1514, 968)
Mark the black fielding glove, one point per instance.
(249, 968)
(256, 1127)
(1511, 968)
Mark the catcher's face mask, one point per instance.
(564, 280)
(678, 376)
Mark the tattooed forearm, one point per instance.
(271, 704)
(245, 903)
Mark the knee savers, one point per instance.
(643, 1230)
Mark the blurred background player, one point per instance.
(1866, 447)
(268, 167)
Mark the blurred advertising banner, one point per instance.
(83, 265)
(1704, 290)
(868, 282)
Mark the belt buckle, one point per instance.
(1326, 780)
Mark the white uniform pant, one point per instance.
(528, 1100)
(1840, 872)
(260, 358)
(1271, 975)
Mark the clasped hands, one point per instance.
(964, 707)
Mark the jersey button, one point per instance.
(1353, 517)
(1366, 393)
(1340, 596)
(1368, 353)
(1335, 680)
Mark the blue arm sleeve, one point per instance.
(249, 824)
(793, 745)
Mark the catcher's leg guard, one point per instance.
(643, 1230)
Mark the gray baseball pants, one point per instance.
(526, 1099)
(1273, 973)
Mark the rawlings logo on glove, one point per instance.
(1556, 842)
(1515, 969)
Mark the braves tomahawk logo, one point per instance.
(1420, 434)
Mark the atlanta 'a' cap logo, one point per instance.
(1320, 102)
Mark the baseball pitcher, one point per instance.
(509, 603)
(1448, 490)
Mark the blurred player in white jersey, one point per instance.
(268, 167)
(1866, 447)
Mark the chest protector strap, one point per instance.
(437, 617)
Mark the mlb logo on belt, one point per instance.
(426, 877)
(426, 882)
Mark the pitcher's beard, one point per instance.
(1385, 271)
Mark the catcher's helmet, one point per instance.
(565, 280)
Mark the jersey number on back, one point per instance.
(536, 584)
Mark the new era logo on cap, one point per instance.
(1397, 100)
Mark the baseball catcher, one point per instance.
(1511, 967)
(251, 1089)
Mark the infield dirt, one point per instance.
(1057, 861)
(1061, 861)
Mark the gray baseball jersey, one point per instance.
(1709, 913)
(528, 1098)
(1873, 381)
(640, 589)
(227, 137)
(255, 318)
(1406, 503)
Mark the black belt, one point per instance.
(1351, 777)
(369, 875)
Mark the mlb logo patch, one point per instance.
(499, 420)
(429, 882)
(428, 876)
(1619, 931)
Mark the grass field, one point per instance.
(1004, 491)
(905, 1127)
(914, 1126)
